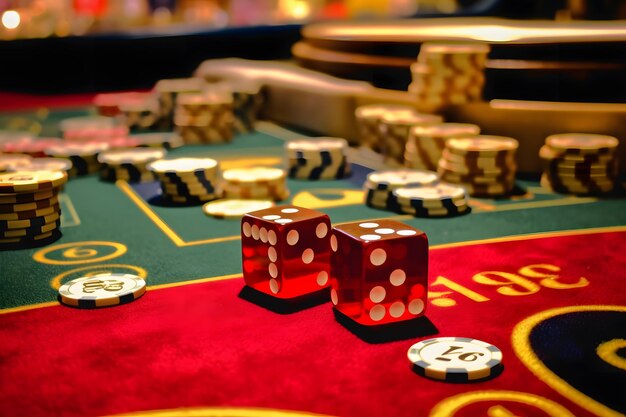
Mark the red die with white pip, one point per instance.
(286, 251)
(379, 271)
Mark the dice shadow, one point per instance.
(392, 332)
(284, 306)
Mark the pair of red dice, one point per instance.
(377, 270)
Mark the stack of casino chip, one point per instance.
(206, 117)
(579, 163)
(141, 114)
(425, 145)
(129, 164)
(322, 158)
(187, 180)
(167, 92)
(30, 213)
(484, 165)
(448, 74)
(379, 185)
(437, 200)
(368, 120)
(258, 183)
(83, 155)
(247, 103)
(166, 140)
(394, 132)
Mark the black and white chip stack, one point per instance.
(437, 200)
(448, 74)
(247, 103)
(84, 156)
(580, 163)
(187, 180)
(205, 118)
(484, 165)
(425, 145)
(129, 164)
(30, 208)
(379, 186)
(394, 132)
(322, 158)
(368, 120)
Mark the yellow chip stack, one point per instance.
(580, 163)
(484, 165)
(448, 74)
(205, 117)
(368, 122)
(168, 90)
(394, 132)
(255, 183)
(426, 143)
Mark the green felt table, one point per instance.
(115, 227)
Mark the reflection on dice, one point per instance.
(286, 251)
(379, 271)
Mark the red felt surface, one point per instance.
(201, 345)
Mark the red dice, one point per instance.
(286, 251)
(379, 271)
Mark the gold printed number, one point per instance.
(465, 357)
(90, 287)
(441, 301)
(507, 283)
(549, 279)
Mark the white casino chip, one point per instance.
(130, 156)
(234, 209)
(402, 178)
(102, 290)
(428, 193)
(182, 165)
(455, 358)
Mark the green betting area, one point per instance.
(121, 227)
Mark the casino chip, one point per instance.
(31, 181)
(379, 185)
(14, 161)
(258, 183)
(579, 163)
(436, 200)
(234, 209)
(102, 290)
(368, 120)
(187, 181)
(322, 158)
(129, 164)
(455, 359)
(484, 165)
(426, 144)
(45, 164)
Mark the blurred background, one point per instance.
(62, 18)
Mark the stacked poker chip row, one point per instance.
(258, 183)
(394, 129)
(322, 158)
(108, 104)
(484, 165)
(437, 200)
(30, 212)
(426, 144)
(205, 118)
(167, 92)
(187, 180)
(91, 128)
(579, 163)
(128, 164)
(448, 74)
(165, 140)
(34, 147)
(83, 156)
(368, 122)
(247, 103)
(379, 185)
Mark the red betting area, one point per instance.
(201, 346)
